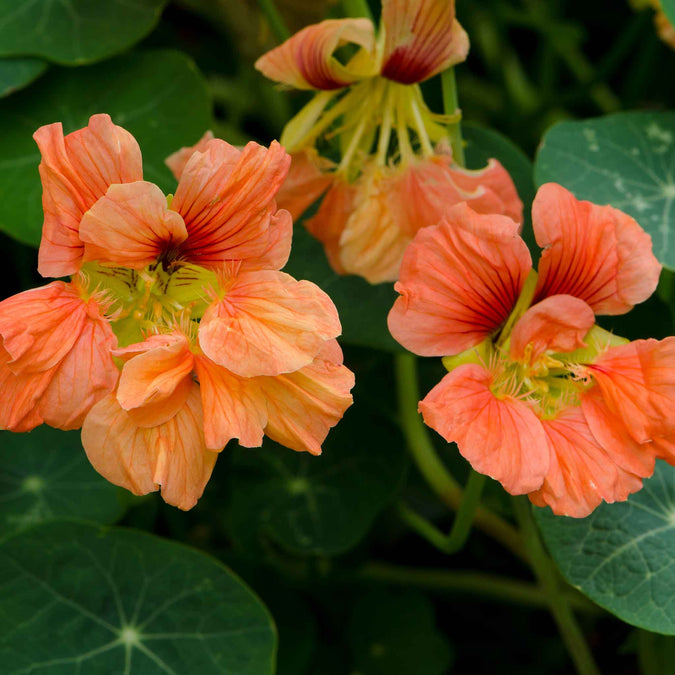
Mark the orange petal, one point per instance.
(267, 324)
(331, 218)
(307, 61)
(40, 326)
(596, 253)
(280, 236)
(226, 198)
(131, 226)
(140, 459)
(459, 282)
(156, 381)
(307, 180)
(500, 437)
(76, 170)
(581, 473)
(234, 406)
(20, 396)
(177, 161)
(84, 376)
(557, 324)
(303, 406)
(422, 38)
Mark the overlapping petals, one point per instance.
(421, 39)
(76, 170)
(178, 333)
(538, 396)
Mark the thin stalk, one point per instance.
(385, 128)
(357, 8)
(547, 576)
(275, 20)
(430, 465)
(451, 107)
(490, 586)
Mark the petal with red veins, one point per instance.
(177, 161)
(500, 437)
(267, 324)
(131, 226)
(459, 282)
(76, 170)
(422, 38)
(307, 61)
(303, 406)
(227, 199)
(596, 253)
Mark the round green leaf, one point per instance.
(45, 474)
(622, 556)
(77, 31)
(158, 96)
(626, 160)
(16, 74)
(395, 634)
(80, 599)
(321, 505)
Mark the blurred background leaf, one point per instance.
(18, 73)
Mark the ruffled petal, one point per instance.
(421, 39)
(459, 282)
(329, 222)
(40, 326)
(267, 324)
(131, 226)
(303, 406)
(307, 180)
(596, 253)
(76, 170)
(226, 198)
(500, 437)
(234, 407)
(557, 324)
(177, 161)
(307, 61)
(156, 380)
(279, 238)
(140, 459)
(581, 473)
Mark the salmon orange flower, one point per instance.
(537, 395)
(177, 332)
(373, 103)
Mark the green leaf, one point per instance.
(622, 556)
(317, 505)
(77, 598)
(395, 634)
(45, 474)
(625, 160)
(668, 7)
(76, 31)
(158, 96)
(16, 74)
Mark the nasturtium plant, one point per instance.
(79, 597)
(45, 474)
(17, 73)
(625, 160)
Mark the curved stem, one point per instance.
(431, 466)
(547, 576)
(450, 107)
(275, 20)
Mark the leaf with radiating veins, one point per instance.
(77, 598)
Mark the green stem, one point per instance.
(431, 467)
(451, 107)
(547, 576)
(475, 583)
(357, 8)
(275, 20)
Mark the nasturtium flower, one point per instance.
(373, 102)
(538, 396)
(177, 332)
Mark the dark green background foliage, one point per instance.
(349, 589)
